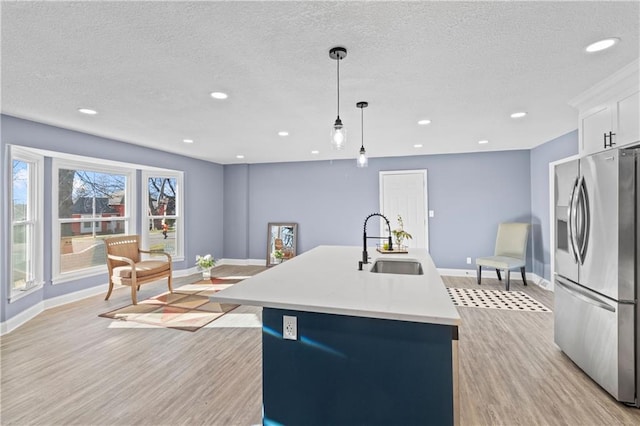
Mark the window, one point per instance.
(26, 221)
(162, 200)
(91, 199)
(93, 203)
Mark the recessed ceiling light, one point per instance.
(239, 157)
(219, 95)
(418, 145)
(187, 140)
(424, 122)
(518, 114)
(283, 133)
(602, 44)
(314, 152)
(482, 142)
(87, 111)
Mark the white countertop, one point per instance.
(327, 280)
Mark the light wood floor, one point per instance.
(68, 366)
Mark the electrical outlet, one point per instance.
(289, 327)
(468, 261)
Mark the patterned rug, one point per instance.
(187, 308)
(495, 299)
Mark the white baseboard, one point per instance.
(185, 272)
(31, 312)
(242, 262)
(490, 273)
(17, 320)
(547, 285)
(460, 272)
(75, 296)
(21, 318)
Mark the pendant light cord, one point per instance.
(362, 127)
(338, 85)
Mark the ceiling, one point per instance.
(148, 68)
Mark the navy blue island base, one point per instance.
(347, 370)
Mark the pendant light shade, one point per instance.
(338, 132)
(362, 160)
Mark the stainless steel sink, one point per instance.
(397, 266)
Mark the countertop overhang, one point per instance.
(326, 279)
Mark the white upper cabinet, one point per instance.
(628, 118)
(595, 126)
(609, 112)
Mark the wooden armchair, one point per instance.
(127, 268)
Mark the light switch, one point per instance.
(431, 214)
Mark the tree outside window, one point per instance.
(163, 230)
(91, 206)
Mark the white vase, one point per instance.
(206, 273)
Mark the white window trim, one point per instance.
(179, 177)
(97, 165)
(36, 199)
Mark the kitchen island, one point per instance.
(369, 348)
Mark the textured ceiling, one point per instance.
(148, 69)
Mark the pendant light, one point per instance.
(362, 160)
(338, 133)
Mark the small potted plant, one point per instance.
(400, 234)
(205, 263)
(278, 255)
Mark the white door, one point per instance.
(404, 193)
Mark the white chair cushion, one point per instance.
(500, 262)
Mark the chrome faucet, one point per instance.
(365, 255)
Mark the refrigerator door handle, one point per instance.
(583, 205)
(583, 295)
(571, 214)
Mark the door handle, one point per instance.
(611, 142)
(572, 213)
(585, 222)
(578, 293)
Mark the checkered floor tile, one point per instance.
(495, 299)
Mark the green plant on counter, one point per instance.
(400, 234)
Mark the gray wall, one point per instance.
(556, 149)
(470, 194)
(236, 212)
(203, 195)
(227, 208)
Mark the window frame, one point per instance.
(179, 215)
(129, 217)
(35, 211)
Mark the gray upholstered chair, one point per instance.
(510, 251)
(127, 268)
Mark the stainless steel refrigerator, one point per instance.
(597, 268)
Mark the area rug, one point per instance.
(495, 299)
(187, 308)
